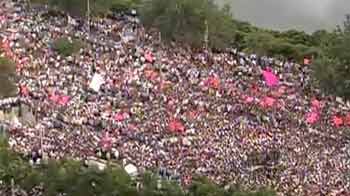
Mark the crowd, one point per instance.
(164, 106)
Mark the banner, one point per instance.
(96, 82)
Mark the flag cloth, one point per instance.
(212, 82)
(176, 126)
(268, 102)
(96, 82)
(63, 100)
(312, 117)
(121, 116)
(270, 78)
(337, 121)
(149, 57)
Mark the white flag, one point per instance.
(96, 82)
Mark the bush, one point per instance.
(332, 68)
(65, 47)
(190, 22)
(332, 76)
(7, 71)
(97, 7)
(72, 178)
(7, 66)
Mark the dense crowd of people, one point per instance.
(166, 106)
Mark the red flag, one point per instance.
(337, 121)
(347, 119)
(176, 126)
(212, 82)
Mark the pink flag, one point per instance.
(63, 100)
(149, 57)
(337, 121)
(270, 78)
(347, 119)
(248, 99)
(55, 98)
(106, 141)
(24, 90)
(176, 126)
(312, 117)
(192, 114)
(151, 74)
(316, 104)
(268, 102)
(121, 116)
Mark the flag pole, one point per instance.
(88, 14)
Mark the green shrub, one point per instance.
(190, 22)
(65, 47)
(332, 68)
(7, 66)
(72, 178)
(7, 71)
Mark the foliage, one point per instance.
(124, 5)
(7, 66)
(73, 7)
(103, 7)
(97, 7)
(264, 43)
(331, 70)
(221, 29)
(66, 47)
(8, 71)
(72, 178)
(189, 21)
(296, 37)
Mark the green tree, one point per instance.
(8, 71)
(296, 37)
(203, 187)
(331, 70)
(149, 183)
(221, 28)
(66, 47)
(97, 7)
(189, 21)
(73, 7)
(171, 188)
(259, 43)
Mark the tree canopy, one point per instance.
(332, 69)
(70, 177)
(8, 71)
(190, 22)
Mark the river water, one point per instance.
(308, 15)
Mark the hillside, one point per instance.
(231, 116)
